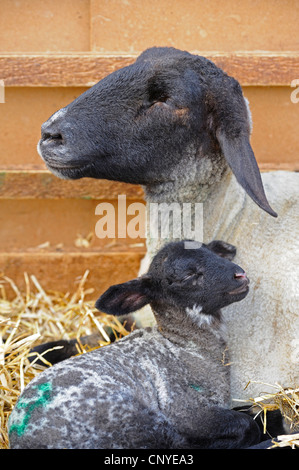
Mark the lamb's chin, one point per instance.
(240, 295)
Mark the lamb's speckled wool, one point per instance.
(166, 387)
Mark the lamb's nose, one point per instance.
(240, 276)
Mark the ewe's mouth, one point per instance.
(69, 172)
(57, 153)
(64, 167)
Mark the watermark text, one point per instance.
(2, 91)
(295, 93)
(157, 220)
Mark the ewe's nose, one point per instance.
(52, 135)
(51, 130)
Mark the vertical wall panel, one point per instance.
(44, 25)
(222, 25)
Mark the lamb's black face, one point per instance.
(198, 278)
(178, 277)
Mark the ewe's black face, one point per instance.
(199, 278)
(149, 121)
(134, 125)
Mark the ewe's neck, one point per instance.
(192, 180)
(214, 198)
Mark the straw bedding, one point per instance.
(285, 400)
(35, 316)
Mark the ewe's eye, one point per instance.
(157, 92)
(160, 99)
(148, 105)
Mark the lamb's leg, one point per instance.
(220, 428)
(57, 351)
(274, 421)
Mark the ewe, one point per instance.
(177, 124)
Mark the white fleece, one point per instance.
(263, 330)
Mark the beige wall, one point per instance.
(121, 27)
(219, 25)
(132, 25)
(129, 26)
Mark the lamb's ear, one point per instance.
(240, 157)
(125, 298)
(223, 249)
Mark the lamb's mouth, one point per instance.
(240, 289)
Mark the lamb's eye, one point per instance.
(192, 276)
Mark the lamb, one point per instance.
(178, 125)
(165, 387)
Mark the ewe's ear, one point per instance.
(223, 249)
(232, 121)
(240, 157)
(125, 298)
